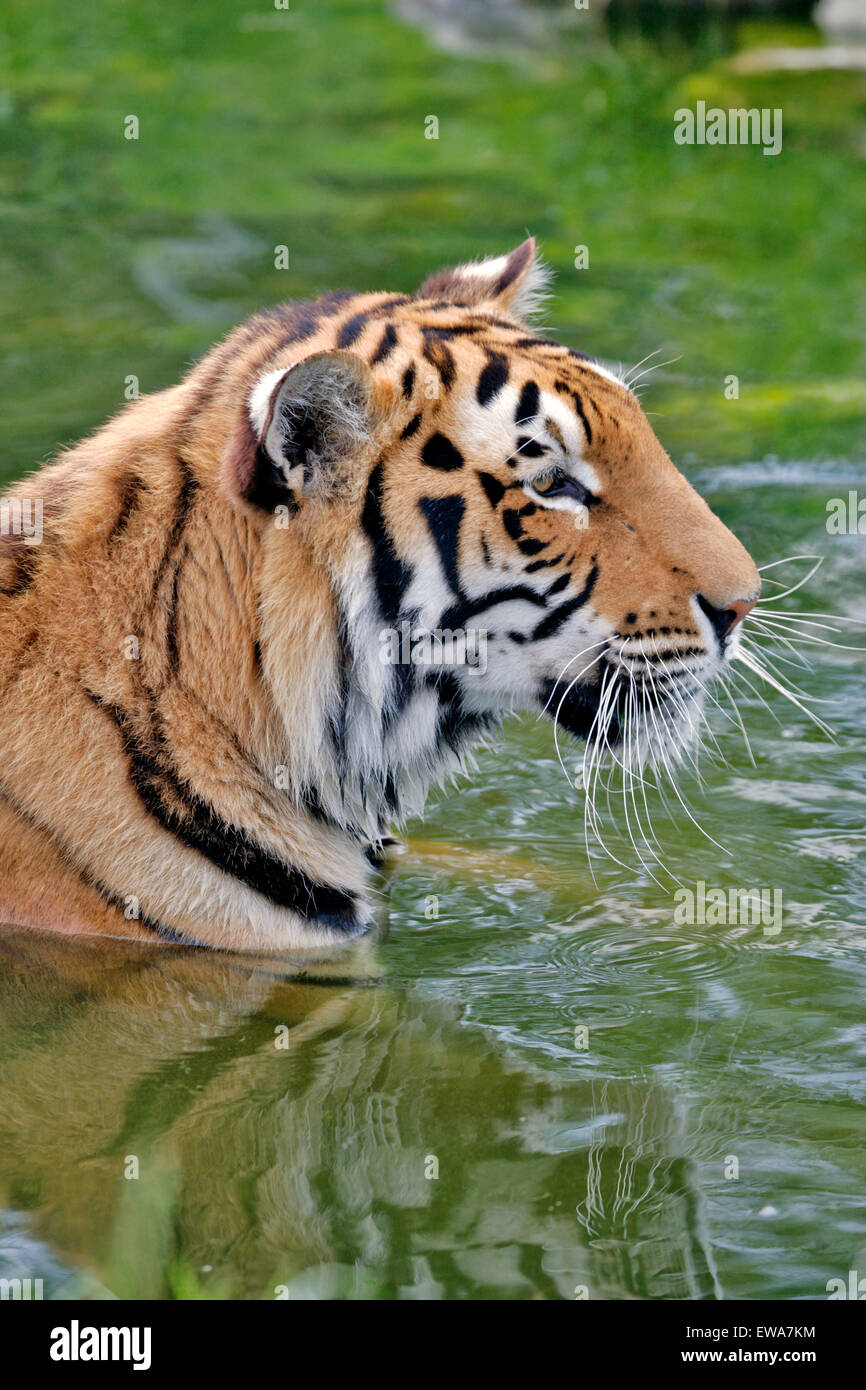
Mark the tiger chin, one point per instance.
(205, 739)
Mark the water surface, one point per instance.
(536, 1084)
(703, 1139)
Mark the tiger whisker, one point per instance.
(671, 693)
(656, 367)
(778, 623)
(769, 656)
(604, 711)
(571, 662)
(675, 789)
(798, 613)
(756, 627)
(628, 787)
(749, 660)
(656, 787)
(794, 619)
(563, 698)
(819, 560)
(785, 560)
(726, 688)
(758, 696)
(588, 774)
(702, 716)
(643, 785)
(629, 374)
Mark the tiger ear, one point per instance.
(299, 426)
(517, 282)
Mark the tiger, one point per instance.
(206, 739)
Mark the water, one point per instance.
(533, 1084)
(424, 1124)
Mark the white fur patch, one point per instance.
(490, 269)
(534, 293)
(260, 398)
(529, 300)
(605, 372)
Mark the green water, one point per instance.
(533, 1084)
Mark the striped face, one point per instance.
(509, 532)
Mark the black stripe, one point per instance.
(386, 305)
(352, 329)
(458, 613)
(578, 405)
(130, 488)
(188, 489)
(408, 382)
(528, 343)
(497, 321)
(512, 519)
(185, 815)
(391, 576)
(310, 799)
(171, 626)
(527, 406)
(564, 389)
(169, 934)
(404, 683)
(386, 346)
(530, 448)
(544, 564)
(411, 427)
(446, 331)
(554, 621)
(455, 723)
(494, 489)
(440, 453)
(440, 357)
(302, 318)
(338, 714)
(492, 379)
(444, 516)
(23, 563)
(558, 585)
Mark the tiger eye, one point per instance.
(545, 484)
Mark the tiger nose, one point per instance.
(738, 610)
(724, 620)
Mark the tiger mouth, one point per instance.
(576, 707)
(600, 712)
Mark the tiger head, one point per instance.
(499, 525)
(277, 601)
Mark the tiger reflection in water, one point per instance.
(286, 1132)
